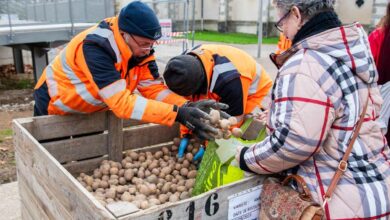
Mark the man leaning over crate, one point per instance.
(102, 66)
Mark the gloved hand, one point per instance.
(207, 104)
(191, 118)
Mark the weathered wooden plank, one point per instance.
(213, 204)
(43, 196)
(30, 204)
(115, 137)
(78, 148)
(25, 214)
(67, 191)
(146, 135)
(84, 166)
(132, 122)
(54, 126)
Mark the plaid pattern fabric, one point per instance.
(316, 101)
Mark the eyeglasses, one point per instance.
(279, 24)
(142, 47)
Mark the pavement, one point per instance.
(9, 193)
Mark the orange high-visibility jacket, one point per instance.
(233, 78)
(96, 72)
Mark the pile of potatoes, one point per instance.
(145, 179)
(223, 125)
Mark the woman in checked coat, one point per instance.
(321, 88)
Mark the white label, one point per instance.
(245, 205)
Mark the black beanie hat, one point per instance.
(138, 19)
(184, 75)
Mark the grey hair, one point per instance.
(308, 8)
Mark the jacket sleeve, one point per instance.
(113, 90)
(302, 115)
(151, 86)
(258, 89)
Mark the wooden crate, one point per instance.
(51, 150)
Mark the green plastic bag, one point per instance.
(218, 166)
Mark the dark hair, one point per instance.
(386, 19)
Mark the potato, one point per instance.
(155, 171)
(186, 164)
(129, 174)
(100, 190)
(190, 183)
(103, 184)
(181, 188)
(144, 190)
(173, 198)
(166, 170)
(153, 165)
(166, 157)
(147, 173)
(126, 197)
(237, 132)
(166, 188)
(232, 120)
(153, 188)
(190, 147)
(184, 195)
(88, 180)
(225, 124)
(105, 177)
(184, 171)
(163, 198)
(113, 182)
(140, 174)
(114, 177)
(176, 141)
(95, 185)
(214, 116)
(158, 154)
(97, 173)
(105, 169)
(89, 188)
(121, 189)
(111, 193)
(175, 181)
(142, 158)
(189, 156)
(173, 188)
(132, 190)
(114, 170)
(152, 179)
(174, 148)
(192, 174)
(144, 204)
(175, 172)
(121, 172)
(153, 202)
(181, 182)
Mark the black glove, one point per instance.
(191, 118)
(207, 104)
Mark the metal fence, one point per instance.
(20, 16)
(176, 19)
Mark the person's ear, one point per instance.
(296, 14)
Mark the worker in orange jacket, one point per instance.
(102, 66)
(283, 44)
(222, 73)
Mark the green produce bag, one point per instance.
(218, 166)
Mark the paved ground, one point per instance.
(9, 194)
